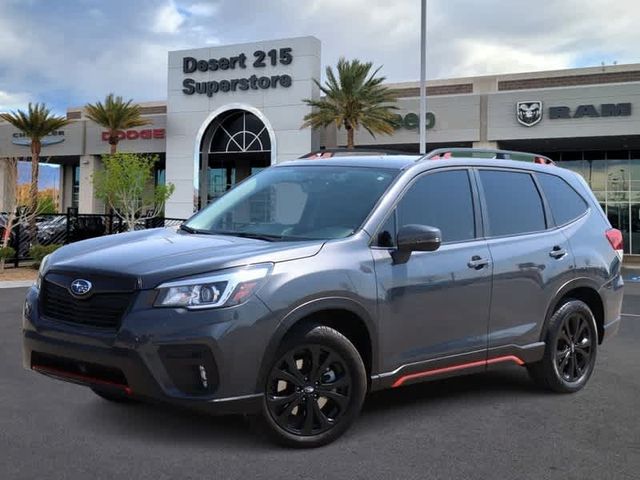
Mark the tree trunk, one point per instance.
(36, 147)
(131, 224)
(113, 141)
(2, 265)
(8, 228)
(350, 143)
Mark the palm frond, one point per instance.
(115, 113)
(353, 96)
(37, 122)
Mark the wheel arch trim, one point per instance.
(305, 310)
(573, 284)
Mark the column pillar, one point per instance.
(7, 188)
(66, 187)
(87, 201)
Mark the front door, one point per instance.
(437, 303)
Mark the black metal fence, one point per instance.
(63, 228)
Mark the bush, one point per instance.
(7, 252)
(38, 252)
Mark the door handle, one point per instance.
(477, 262)
(557, 252)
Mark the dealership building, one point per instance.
(233, 110)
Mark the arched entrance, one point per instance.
(235, 145)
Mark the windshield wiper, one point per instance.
(186, 228)
(258, 236)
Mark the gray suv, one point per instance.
(315, 282)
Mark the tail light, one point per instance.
(615, 239)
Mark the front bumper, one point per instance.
(155, 353)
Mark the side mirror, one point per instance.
(416, 238)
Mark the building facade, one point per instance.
(233, 110)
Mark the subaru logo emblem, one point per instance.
(80, 287)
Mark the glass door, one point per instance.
(619, 215)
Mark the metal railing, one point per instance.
(64, 228)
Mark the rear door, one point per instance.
(531, 258)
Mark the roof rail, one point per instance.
(442, 153)
(342, 152)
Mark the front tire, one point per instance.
(570, 350)
(315, 388)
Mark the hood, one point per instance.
(157, 255)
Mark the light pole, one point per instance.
(423, 77)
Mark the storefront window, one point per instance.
(75, 189)
(161, 176)
(614, 177)
(618, 215)
(634, 170)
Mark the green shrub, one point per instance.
(38, 252)
(7, 252)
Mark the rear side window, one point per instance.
(441, 200)
(513, 203)
(565, 203)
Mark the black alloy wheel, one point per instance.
(571, 342)
(574, 348)
(315, 388)
(309, 390)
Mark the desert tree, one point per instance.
(115, 114)
(354, 97)
(126, 185)
(36, 123)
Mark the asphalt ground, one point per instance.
(490, 426)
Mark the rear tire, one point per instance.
(570, 351)
(315, 388)
(113, 396)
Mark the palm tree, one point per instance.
(36, 123)
(115, 114)
(356, 97)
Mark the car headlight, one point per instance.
(223, 289)
(43, 266)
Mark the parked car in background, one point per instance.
(52, 229)
(315, 282)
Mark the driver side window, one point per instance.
(443, 200)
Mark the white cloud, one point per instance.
(12, 101)
(482, 58)
(167, 19)
(60, 53)
(202, 9)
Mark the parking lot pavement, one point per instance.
(492, 426)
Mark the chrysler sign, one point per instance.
(54, 137)
(257, 61)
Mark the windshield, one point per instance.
(296, 203)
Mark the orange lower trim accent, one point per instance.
(454, 368)
(80, 378)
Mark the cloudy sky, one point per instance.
(68, 52)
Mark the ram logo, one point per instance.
(529, 113)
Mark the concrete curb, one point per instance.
(16, 284)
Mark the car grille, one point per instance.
(102, 310)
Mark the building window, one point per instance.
(75, 188)
(614, 177)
